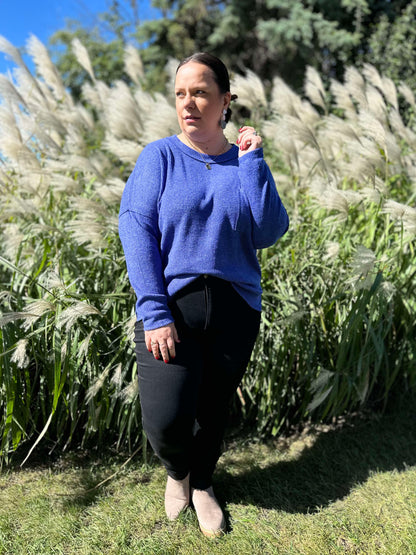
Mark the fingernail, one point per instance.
(240, 129)
(157, 358)
(150, 350)
(165, 361)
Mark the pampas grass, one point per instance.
(338, 319)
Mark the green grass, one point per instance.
(345, 488)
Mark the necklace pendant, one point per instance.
(207, 166)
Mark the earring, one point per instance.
(223, 123)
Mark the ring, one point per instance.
(154, 343)
(254, 132)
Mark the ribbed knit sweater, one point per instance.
(179, 220)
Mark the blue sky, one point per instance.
(20, 18)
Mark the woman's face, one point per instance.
(199, 102)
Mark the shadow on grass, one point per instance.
(339, 460)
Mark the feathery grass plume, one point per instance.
(52, 281)
(335, 129)
(133, 64)
(314, 88)
(332, 250)
(29, 318)
(393, 153)
(129, 393)
(129, 326)
(84, 345)
(372, 76)
(170, 70)
(8, 125)
(91, 94)
(308, 114)
(364, 158)
(11, 51)
(126, 151)
(39, 307)
(45, 67)
(397, 123)
(407, 94)
(161, 121)
(85, 231)
(74, 141)
(19, 355)
(97, 385)
(388, 290)
(65, 184)
(82, 56)
(42, 131)
(12, 238)
(84, 117)
(122, 115)
(19, 206)
(111, 191)
(375, 103)
(249, 89)
(342, 98)
(403, 213)
(372, 127)
(11, 317)
(355, 85)
(283, 99)
(298, 129)
(362, 267)
(371, 194)
(390, 91)
(331, 199)
(87, 208)
(231, 132)
(10, 93)
(77, 310)
(77, 163)
(283, 141)
(117, 377)
(144, 100)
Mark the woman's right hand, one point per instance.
(162, 340)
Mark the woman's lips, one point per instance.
(191, 118)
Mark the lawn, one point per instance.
(345, 488)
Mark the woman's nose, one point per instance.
(189, 100)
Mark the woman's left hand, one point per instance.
(248, 140)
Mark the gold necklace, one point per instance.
(213, 158)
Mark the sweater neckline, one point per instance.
(231, 154)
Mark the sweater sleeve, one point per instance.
(270, 219)
(140, 237)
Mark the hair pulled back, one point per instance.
(218, 69)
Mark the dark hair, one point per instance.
(218, 69)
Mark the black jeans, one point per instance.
(185, 403)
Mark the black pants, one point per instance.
(185, 403)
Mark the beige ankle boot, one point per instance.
(176, 496)
(210, 516)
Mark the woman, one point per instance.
(193, 213)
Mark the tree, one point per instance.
(105, 43)
(269, 37)
(282, 37)
(184, 28)
(393, 46)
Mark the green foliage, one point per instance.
(393, 46)
(270, 37)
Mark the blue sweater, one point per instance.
(179, 220)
